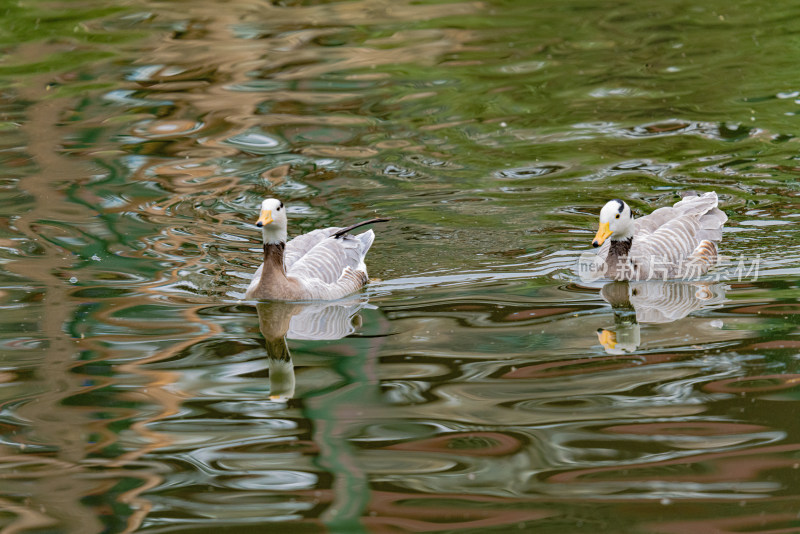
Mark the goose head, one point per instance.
(616, 222)
(272, 221)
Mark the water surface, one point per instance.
(477, 384)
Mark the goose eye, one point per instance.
(617, 216)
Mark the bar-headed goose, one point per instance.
(676, 242)
(324, 264)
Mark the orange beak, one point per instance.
(264, 219)
(602, 234)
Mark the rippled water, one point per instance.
(477, 384)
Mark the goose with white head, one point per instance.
(324, 264)
(675, 242)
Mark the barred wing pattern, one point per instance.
(663, 252)
(328, 267)
(302, 244)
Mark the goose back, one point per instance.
(328, 258)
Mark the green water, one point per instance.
(471, 387)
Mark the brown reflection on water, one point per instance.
(756, 384)
(61, 463)
(56, 489)
(161, 386)
(433, 513)
(468, 443)
(277, 56)
(688, 428)
(86, 470)
(587, 365)
(774, 523)
(468, 412)
(53, 445)
(745, 470)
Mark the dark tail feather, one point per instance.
(343, 231)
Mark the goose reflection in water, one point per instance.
(279, 321)
(636, 303)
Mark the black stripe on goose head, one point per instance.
(621, 205)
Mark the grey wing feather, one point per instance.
(650, 223)
(302, 244)
(669, 243)
(669, 236)
(327, 260)
(704, 207)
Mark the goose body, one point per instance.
(324, 264)
(672, 242)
